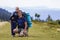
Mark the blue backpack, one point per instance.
(28, 18)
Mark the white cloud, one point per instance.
(30, 3)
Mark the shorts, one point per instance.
(20, 29)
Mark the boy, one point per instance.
(22, 24)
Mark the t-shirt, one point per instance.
(21, 22)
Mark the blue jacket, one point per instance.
(15, 16)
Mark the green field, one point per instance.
(39, 31)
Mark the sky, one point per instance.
(30, 3)
(52, 7)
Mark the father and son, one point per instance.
(20, 23)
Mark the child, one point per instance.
(22, 25)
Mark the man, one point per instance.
(14, 21)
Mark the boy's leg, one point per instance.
(20, 32)
(27, 29)
(26, 32)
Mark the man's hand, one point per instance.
(12, 17)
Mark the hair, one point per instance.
(20, 13)
(17, 7)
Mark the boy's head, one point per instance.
(19, 13)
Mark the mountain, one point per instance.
(4, 14)
(43, 11)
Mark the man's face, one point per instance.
(17, 9)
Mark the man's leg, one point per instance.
(13, 26)
(13, 34)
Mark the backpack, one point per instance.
(28, 18)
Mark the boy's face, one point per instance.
(19, 13)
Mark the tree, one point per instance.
(37, 16)
(31, 18)
(58, 21)
(49, 18)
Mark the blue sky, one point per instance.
(46, 7)
(30, 3)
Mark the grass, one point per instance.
(39, 31)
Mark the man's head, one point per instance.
(17, 9)
(19, 12)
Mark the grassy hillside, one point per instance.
(39, 31)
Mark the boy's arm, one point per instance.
(25, 26)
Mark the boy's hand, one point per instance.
(24, 30)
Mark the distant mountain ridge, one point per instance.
(4, 14)
(43, 11)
